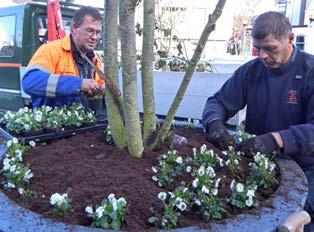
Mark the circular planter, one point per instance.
(288, 199)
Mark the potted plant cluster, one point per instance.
(29, 121)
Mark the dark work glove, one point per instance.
(218, 135)
(264, 144)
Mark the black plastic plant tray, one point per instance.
(45, 136)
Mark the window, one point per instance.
(282, 6)
(7, 38)
(42, 27)
(300, 42)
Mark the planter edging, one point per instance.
(285, 202)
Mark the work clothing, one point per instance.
(218, 135)
(279, 99)
(54, 74)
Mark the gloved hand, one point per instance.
(218, 135)
(264, 144)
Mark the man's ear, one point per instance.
(291, 38)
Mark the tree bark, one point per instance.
(131, 114)
(147, 69)
(115, 118)
(210, 26)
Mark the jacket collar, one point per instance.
(66, 43)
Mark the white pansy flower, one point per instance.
(28, 174)
(114, 205)
(182, 206)
(249, 202)
(205, 189)
(21, 191)
(14, 140)
(250, 193)
(201, 171)
(111, 197)
(179, 160)
(154, 169)
(217, 182)
(122, 201)
(236, 162)
(197, 202)
(10, 185)
(99, 212)
(195, 183)
(188, 169)
(272, 167)
(203, 148)
(155, 178)
(194, 151)
(9, 143)
(232, 185)
(6, 164)
(32, 143)
(227, 162)
(18, 155)
(89, 210)
(239, 187)
(214, 191)
(210, 171)
(12, 168)
(162, 196)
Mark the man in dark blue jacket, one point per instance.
(278, 90)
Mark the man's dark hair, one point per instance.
(273, 23)
(82, 12)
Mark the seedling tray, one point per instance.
(45, 136)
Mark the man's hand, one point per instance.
(218, 135)
(265, 144)
(90, 86)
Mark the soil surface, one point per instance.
(90, 170)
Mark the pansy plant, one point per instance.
(243, 196)
(110, 214)
(263, 171)
(193, 123)
(170, 165)
(175, 203)
(60, 203)
(206, 157)
(205, 187)
(17, 174)
(233, 161)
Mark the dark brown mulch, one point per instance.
(93, 169)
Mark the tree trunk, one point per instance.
(210, 26)
(147, 69)
(131, 114)
(114, 115)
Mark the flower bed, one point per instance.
(90, 171)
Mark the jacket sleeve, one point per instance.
(229, 99)
(299, 139)
(40, 78)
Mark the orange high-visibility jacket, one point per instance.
(53, 73)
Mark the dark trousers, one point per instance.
(309, 204)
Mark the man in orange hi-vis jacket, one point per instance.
(58, 74)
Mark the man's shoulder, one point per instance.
(307, 58)
(57, 45)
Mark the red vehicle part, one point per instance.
(55, 23)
